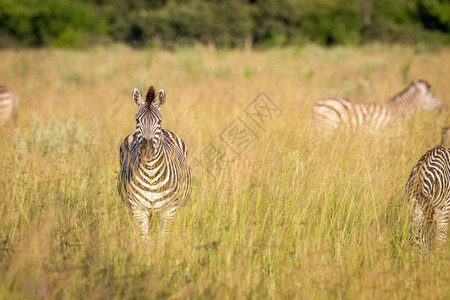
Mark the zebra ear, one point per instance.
(137, 97)
(422, 85)
(159, 99)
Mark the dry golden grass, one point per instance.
(294, 216)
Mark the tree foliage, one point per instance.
(222, 23)
(45, 22)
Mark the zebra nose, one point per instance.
(146, 134)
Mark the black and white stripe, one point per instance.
(155, 175)
(9, 104)
(428, 188)
(330, 113)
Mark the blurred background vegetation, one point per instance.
(232, 23)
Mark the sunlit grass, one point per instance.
(294, 216)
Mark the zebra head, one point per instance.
(148, 119)
(446, 137)
(428, 101)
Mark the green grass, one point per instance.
(295, 216)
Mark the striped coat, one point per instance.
(9, 104)
(155, 175)
(331, 113)
(428, 188)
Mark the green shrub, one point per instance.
(224, 24)
(331, 22)
(435, 14)
(45, 22)
(70, 38)
(268, 23)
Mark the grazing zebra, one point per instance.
(9, 103)
(155, 175)
(428, 188)
(330, 113)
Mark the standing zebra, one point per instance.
(330, 113)
(428, 188)
(9, 103)
(155, 175)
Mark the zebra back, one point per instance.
(428, 190)
(426, 173)
(330, 113)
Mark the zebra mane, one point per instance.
(412, 88)
(150, 95)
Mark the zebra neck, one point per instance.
(406, 103)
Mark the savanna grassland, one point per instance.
(293, 216)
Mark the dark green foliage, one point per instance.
(63, 23)
(276, 22)
(229, 23)
(391, 21)
(405, 21)
(332, 21)
(435, 14)
(145, 22)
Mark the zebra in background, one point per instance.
(155, 175)
(9, 104)
(330, 113)
(428, 189)
(446, 137)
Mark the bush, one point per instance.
(45, 22)
(70, 38)
(224, 24)
(331, 22)
(68, 23)
(435, 14)
(276, 23)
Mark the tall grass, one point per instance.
(294, 216)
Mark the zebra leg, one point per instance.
(166, 221)
(142, 218)
(441, 228)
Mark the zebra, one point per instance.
(330, 113)
(428, 190)
(446, 137)
(155, 176)
(9, 104)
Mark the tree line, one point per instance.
(231, 23)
